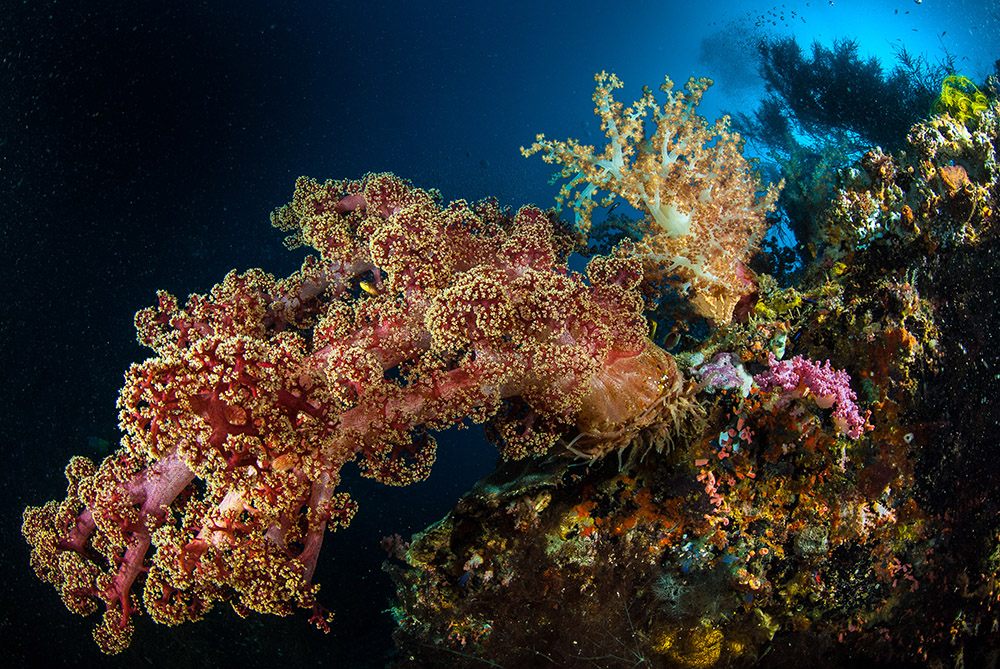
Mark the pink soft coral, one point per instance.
(829, 387)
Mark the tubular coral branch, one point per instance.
(703, 217)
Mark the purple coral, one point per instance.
(724, 371)
(830, 387)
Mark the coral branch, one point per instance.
(414, 317)
(703, 217)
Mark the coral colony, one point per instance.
(691, 510)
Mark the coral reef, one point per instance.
(776, 532)
(810, 482)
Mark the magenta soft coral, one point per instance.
(829, 387)
(412, 317)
